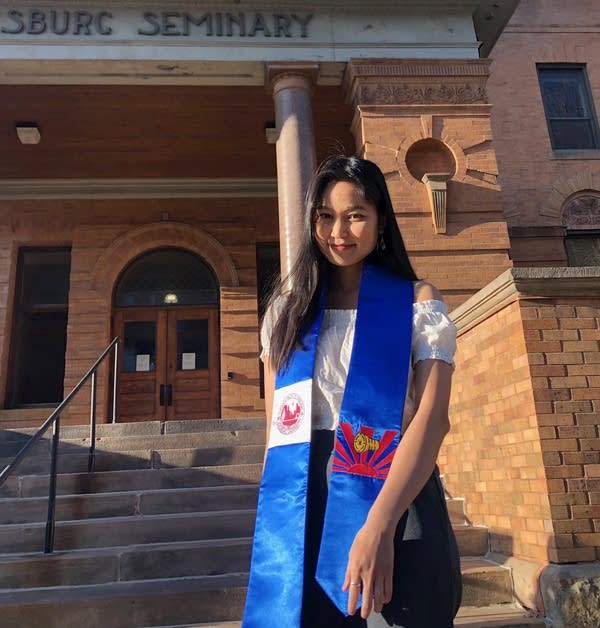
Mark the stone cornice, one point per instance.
(416, 81)
(241, 5)
(24, 189)
(526, 283)
(377, 68)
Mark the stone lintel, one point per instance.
(522, 283)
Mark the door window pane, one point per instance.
(139, 346)
(192, 345)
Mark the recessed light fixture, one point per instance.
(28, 133)
(271, 132)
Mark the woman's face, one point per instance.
(346, 224)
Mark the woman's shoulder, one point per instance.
(425, 291)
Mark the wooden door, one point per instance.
(142, 363)
(192, 364)
(169, 363)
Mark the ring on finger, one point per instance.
(355, 584)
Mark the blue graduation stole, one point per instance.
(366, 439)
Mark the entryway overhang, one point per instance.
(209, 43)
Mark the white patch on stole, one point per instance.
(291, 420)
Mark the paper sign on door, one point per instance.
(188, 361)
(142, 362)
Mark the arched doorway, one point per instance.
(166, 308)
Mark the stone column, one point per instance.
(296, 157)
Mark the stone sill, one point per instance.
(524, 282)
(575, 154)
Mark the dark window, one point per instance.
(570, 113)
(39, 327)
(583, 248)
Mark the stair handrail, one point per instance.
(54, 420)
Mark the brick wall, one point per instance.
(493, 455)
(413, 116)
(93, 227)
(524, 449)
(535, 181)
(563, 348)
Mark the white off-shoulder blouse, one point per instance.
(433, 337)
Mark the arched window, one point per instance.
(581, 218)
(166, 277)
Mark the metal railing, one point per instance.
(54, 420)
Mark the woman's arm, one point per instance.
(269, 373)
(371, 556)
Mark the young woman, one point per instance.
(356, 341)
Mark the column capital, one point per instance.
(416, 81)
(284, 75)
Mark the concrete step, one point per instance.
(141, 459)
(238, 454)
(196, 440)
(129, 503)
(78, 462)
(133, 604)
(116, 531)
(133, 562)
(142, 428)
(497, 616)
(111, 531)
(505, 616)
(118, 481)
(456, 510)
(485, 583)
(472, 540)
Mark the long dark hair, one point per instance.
(298, 306)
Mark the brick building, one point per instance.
(137, 140)
(524, 449)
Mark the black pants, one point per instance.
(427, 580)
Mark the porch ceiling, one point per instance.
(94, 131)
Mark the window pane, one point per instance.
(139, 346)
(564, 95)
(43, 360)
(45, 277)
(167, 277)
(583, 250)
(569, 109)
(192, 345)
(572, 134)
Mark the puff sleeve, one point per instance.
(266, 329)
(434, 332)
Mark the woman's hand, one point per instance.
(370, 568)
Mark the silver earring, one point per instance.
(381, 243)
